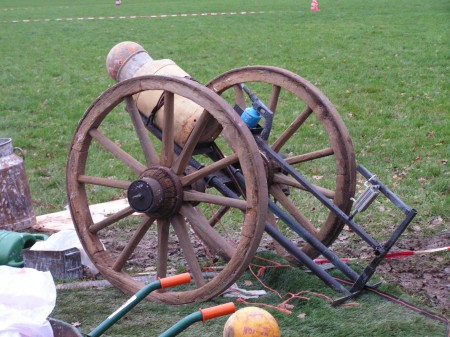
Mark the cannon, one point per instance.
(208, 169)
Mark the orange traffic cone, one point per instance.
(314, 6)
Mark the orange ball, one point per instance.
(251, 321)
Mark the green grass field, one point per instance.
(383, 64)
(311, 316)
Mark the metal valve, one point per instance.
(257, 110)
(366, 198)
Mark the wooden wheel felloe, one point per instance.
(112, 155)
(311, 135)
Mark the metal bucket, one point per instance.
(63, 329)
(16, 210)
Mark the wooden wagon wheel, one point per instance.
(112, 155)
(311, 135)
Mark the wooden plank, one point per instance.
(55, 222)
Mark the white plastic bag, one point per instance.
(27, 297)
(63, 240)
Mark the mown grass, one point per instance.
(314, 316)
(383, 64)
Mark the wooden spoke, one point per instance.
(120, 154)
(114, 183)
(214, 199)
(298, 97)
(310, 156)
(163, 241)
(132, 244)
(239, 96)
(206, 233)
(286, 180)
(295, 125)
(150, 154)
(167, 150)
(185, 242)
(291, 208)
(208, 117)
(273, 99)
(214, 167)
(182, 160)
(271, 219)
(111, 220)
(218, 215)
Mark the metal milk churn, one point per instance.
(129, 59)
(16, 210)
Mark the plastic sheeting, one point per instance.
(27, 297)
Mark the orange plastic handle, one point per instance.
(175, 280)
(218, 310)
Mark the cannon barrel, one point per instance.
(128, 60)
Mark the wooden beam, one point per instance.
(55, 222)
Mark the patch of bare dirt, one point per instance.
(144, 255)
(425, 274)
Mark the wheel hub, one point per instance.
(158, 191)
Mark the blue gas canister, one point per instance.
(251, 117)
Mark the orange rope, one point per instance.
(283, 305)
(260, 304)
(262, 283)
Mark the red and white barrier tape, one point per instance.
(161, 16)
(395, 255)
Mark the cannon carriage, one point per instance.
(257, 149)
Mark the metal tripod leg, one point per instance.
(359, 281)
(305, 259)
(319, 195)
(409, 216)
